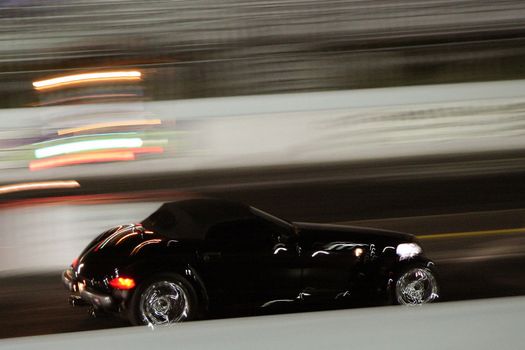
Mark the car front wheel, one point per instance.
(416, 286)
(163, 300)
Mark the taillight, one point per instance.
(122, 283)
(75, 263)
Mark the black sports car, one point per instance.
(194, 257)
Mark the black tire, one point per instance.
(163, 299)
(415, 285)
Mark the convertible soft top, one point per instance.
(191, 218)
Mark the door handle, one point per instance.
(211, 255)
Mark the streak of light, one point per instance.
(113, 135)
(276, 251)
(145, 150)
(319, 252)
(471, 233)
(126, 237)
(44, 185)
(95, 157)
(90, 98)
(86, 78)
(84, 158)
(143, 244)
(109, 125)
(108, 239)
(88, 145)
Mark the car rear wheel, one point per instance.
(416, 286)
(162, 300)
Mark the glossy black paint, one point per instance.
(237, 257)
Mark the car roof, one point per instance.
(194, 216)
(209, 210)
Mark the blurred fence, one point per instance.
(224, 133)
(208, 48)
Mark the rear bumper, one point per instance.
(67, 279)
(80, 291)
(98, 300)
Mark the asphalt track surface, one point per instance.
(479, 255)
(37, 304)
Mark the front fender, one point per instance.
(402, 266)
(390, 266)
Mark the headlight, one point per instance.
(408, 250)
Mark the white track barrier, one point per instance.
(306, 128)
(485, 324)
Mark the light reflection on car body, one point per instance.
(211, 255)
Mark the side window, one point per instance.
(162, 221)
(250, 234)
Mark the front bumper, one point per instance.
(79, 291)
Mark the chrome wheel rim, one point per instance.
(164, 302)
(416, 286)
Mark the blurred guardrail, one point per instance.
(210, 24)
(211, 48)
(485, 324)
(253, 131)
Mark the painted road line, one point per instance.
(471, 233)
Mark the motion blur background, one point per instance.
(406, 115)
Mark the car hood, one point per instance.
(329, 232)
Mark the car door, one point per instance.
(249, 262)
(331, 266)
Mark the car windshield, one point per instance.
(273, 219)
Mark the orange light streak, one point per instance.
(143, 244)
(84, 158)
(38, 186)
(109, 125)
(76, 79)
(146, 150)
(93, 157)
(126, 237)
